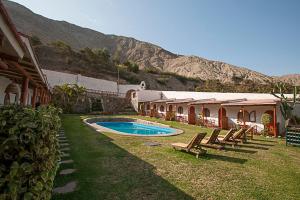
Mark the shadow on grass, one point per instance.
(216, 157)
(260, 140)
(224, 158)
(261, 144)
(240, 150)
(252, 146)
(107, 171)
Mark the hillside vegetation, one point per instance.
(99, 63)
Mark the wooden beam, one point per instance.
(9, 76)
(31, 73)
(11, 73)
(23, 71)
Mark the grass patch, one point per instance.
(112, 166)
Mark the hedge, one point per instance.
(29, 151)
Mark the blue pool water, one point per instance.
(137, 129)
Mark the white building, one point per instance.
(224, 110)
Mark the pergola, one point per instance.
(19, 63)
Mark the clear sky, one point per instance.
(263, 35)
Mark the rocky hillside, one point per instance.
(146, 55)
(293, 79)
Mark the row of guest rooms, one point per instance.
(223, 110)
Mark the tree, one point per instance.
(131, 67)
(61, 45)
(68, 95)
(286, 105)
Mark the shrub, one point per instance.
(29, 151)
(35, 40)
(266, 119)
(61, 45)
(131, 67)
(152, 70)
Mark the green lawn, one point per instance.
(112, 166)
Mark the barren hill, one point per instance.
(146, 55)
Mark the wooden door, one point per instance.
(223, 120)
(192, 115)
(271, 125)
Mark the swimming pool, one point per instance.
(134, 128)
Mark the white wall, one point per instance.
(58, 78)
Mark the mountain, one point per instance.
(146, 55)
(293, 79)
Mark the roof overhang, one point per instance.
(10, 32)
(181, 101)
(257, 102)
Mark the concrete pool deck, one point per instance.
(92, 122)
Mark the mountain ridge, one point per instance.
(145, 54)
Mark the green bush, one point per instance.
(29, 152)
(266, 119)
(131, 66)
(35, 40)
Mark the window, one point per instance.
(148, 107)
(161, 108)
(253, 116)
(240, 117)
(206, 112)
(180, 110)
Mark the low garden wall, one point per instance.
(29, 152)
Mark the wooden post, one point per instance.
(221, 118)
(42, 97)
(33, 100)
(274, 122)
(244, 123)
(203, 120)
(24, 94)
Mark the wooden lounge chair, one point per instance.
(249, 132)
(226, 139)
(194, 144)
(211, 142)
(239, 136)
